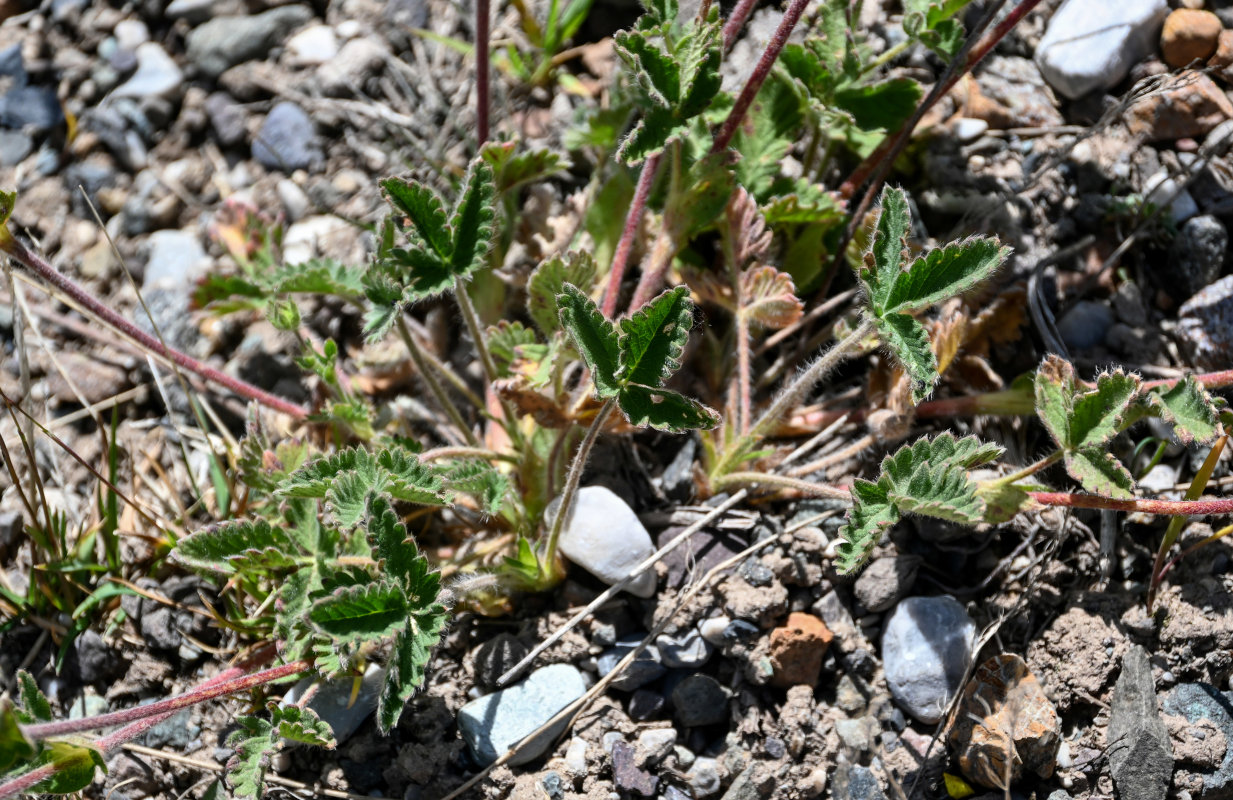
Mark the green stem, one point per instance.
(1032, 469)
(887, 57)
(792, 394)
(573, 479)
(434, 386)
(490, 367)
(466, 452)
(781, 482)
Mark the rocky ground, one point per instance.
(1090, 133)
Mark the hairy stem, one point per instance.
(793, 393)
(1032, 469)
(781, 482)
(434, 386)
(34, 264)
(620, 259)
(1166, 507)
(482, 15)
(745, 99)
(573, 479)
(736, 21)
(481, 347)
(207, 691)
(654, 268)
(744, 404)
(465, 452)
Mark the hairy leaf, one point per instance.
(884, 105)
(1097, 415)
(314, 478)
(1190, 409)
(888, 248)
(347, 497)
(15, 748)
(75, 765)
(594, 336)
(258, 740)
(702, 198)
(319, 276)
(872, 513)
(1099, 472)
(409, 480)
(652, 339)
(237, 545)
(512, 168)
(34, 705)
(472, 222)
(405, 670)
(1055, 397)
(664, 410)
(769, 297)
(504, 341)
(423, 207)
(945, 272)
(358, 614)
(480, 480)
(658, 128)
(907, 339)
(656, 71)
(774, 119)
(549, 278)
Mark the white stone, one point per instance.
(604, 536)
(314, 45)
(176, 259)
(130, 33)
(357, 59)
(1092, 44)
(494, 723)
(349, 29)
(968, 129)
(156, 75)
(576, 757)
(323, 237)
(295, 201)
(1160, 188)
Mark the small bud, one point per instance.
(283, 314)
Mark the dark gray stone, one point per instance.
(1202, 701)
(14, 146)
(1196, 256)
(1205, 325)
(1084, 326)
(756, 573)
(645, 704)
(704, 550)
(553, 786)
(853, 782)
(926, 647)
(1140, 754)
(31, 108)
(226, 118)
(688, 651)
(739, 630)
(497, 656)
(174, 733)
(626, 773)
(95, 660)
(287, 140)
(677, 481)
(224, 42)
(700, 700)
(645, 668)
(886, 581)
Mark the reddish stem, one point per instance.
(790, 17)
(206, 691)
(736, 21)
(1171, 507)
(482, 9)
(620, 259)
(26, 258)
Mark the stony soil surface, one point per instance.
(781, 679)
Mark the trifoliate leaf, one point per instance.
(664, 410)
(238, 545)
(548, 279)
(1190, 409)
(907, 339)
(358, 614)
(888, 248)
(944, 272)
(769, 298)
(652, 339)
(258, 740)
(1099, 472)
(472, 222)
(425, 210)
(594, 336)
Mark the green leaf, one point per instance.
(1189, 408)
(395, 554)
(652, 340)
(348, 496)
(75, 765)
(1003, 502)
(422, 273)
(237, 546)
(664, 410)
(594, 336)
(872, 513)
(472, 222)
(314, 478)
(480, 480)
(512, 168)
(907, 339)
(774, 120)
(505, 339)
(702, 80)
(1097, 415)
(657, 72)
(658, 128)
(701, 198)
(8, 201)
(35, 707)
(408, 479)
(942, 491)
(889, 243)
(548, 280)
(354, 615)
(524, 566)
(1099, 472)
(1055, 397)
(319, 276)
(944, 38)
(15, 748)
(405, 670)
(423, 207)
(943, 273)
(258, 740)
(880, 106)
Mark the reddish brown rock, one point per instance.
(1188, 104)
(1189, 35)
(1222, 60)
(797, 649)
(1003, 715)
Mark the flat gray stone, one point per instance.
(1140, 754)
(1092, 44)
(226, 41)
(157, 74)
(494, 723)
